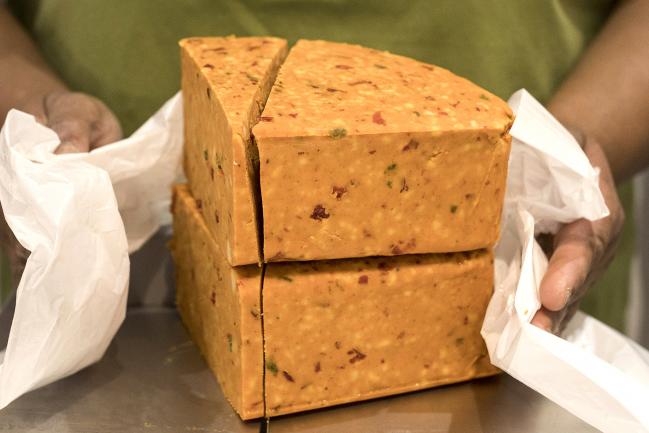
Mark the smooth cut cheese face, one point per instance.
(225, 83)
(365, 153)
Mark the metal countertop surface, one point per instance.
(153, 379)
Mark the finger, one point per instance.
(74, 136)
(69, 148)
(70, 115)
(548, 320)
(106, 130)
(569, 265)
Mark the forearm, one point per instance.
(25, 78)
(607, 94)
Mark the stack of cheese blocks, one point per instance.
(333, 243)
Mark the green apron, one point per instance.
(125, 51)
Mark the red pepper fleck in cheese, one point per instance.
(225, 83)
(364, 153)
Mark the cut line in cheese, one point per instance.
(333, 332)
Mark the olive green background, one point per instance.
(125, 51)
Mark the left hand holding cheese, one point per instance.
(81, 121)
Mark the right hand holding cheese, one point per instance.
(582, 251)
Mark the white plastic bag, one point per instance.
(596, 373)
(64, 209)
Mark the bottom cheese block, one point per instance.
(220, 307)
(333, 332)
(349, 330)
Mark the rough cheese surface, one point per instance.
(349, 330)
(364, 153)
(220, 307)
(225, 82)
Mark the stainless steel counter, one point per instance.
(152, 379)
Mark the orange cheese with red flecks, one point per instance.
(365, 153)
(225, 83)
(330, 332)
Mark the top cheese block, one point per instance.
(365, 153)
(225, 83)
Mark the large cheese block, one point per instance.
(364, 153)
(348, 330)
(225, 83)
(333, 331)
(220, 307)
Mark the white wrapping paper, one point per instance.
(64, 209)
(596, 373)
(71, 299)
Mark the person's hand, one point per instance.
(81, 121)
(580, 252)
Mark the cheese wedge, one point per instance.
(365, 153)
(225, 83)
